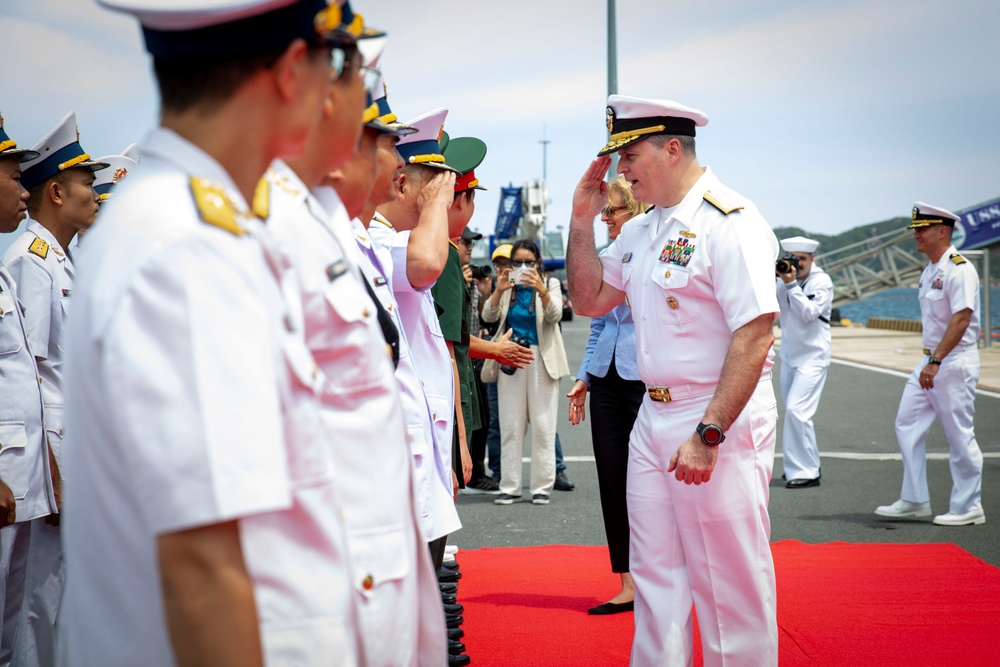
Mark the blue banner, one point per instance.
(509, 214)
(980, 226)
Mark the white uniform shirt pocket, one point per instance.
(13, 471)
(676, 303)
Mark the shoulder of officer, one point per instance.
(724, 199)
(957, 259)
(214, 206)
(39, 247)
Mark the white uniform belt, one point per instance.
(961, 347)
(681, 392)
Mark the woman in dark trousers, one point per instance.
(609, 373)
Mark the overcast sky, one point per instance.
(827, 114)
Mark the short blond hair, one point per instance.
(620, 185)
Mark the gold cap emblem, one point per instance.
(610, 113)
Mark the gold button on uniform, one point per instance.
(364, 312)
(672, 303)
(666, 274)
(368, 582)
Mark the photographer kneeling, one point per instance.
(530, 305)
(805, 295)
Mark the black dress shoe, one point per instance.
(448, 589)
(455, 633)
(562, 482)
(447, 576)
(455, 647)
(450, 565)
(611, 608)
(448, 599)
(453, 609)
(801, 483)
(460, 660)
(453, 620)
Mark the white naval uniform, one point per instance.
(45, 285)
(707, 543)
(419, 318)
(24, 459)
(805, 357)
(394, 584)
(434, 498)
(946, 287)
(192, 400)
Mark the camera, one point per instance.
(523, 342)
(785, 264)
(480, 272)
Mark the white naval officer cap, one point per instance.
(58, 151)
(925, 215)
(234, 28)
(799, 244)
(633, 118)
(424, 146)
(119, 167)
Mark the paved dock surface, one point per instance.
(861, 467)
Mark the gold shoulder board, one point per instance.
(214, 206)
(39, 247)
(262, 199)
(958, 259)
(723, 202)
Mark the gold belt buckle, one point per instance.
(660, 394)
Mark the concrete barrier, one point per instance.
(894, 324)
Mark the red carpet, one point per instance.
(838, 604)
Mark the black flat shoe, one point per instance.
(611, 608)
(801, 483)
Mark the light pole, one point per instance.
(612, 70)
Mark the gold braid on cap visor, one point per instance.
(75, 161)
(5, 145)
(370, 114)
(419, 159)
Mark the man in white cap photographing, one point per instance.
(697, 271)
(943, 384)
(805, 295)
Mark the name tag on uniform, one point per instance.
(336, 270)
(379, 281)
(67, 292)
(626, 258)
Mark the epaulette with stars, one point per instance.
(214, 206)
(956, 258)
(726, 202)
(39, 247)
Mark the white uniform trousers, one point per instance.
(952, 400)
(800, 390)
(35, 644)
(704, 543)
(529, 395)
(15, 542)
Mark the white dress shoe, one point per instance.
(904, 508)
(973, 517)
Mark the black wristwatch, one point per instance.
(710, 434)
(931, 359)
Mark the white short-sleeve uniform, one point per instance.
(805, 357)
(438, 514)
(43, 271)
(946, 287)
(693, 276)
(191, 400)
(24, 459)
(418, 315)
(394, 585)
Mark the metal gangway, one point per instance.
(878, 264)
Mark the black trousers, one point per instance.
(478, 447)
(614, 405)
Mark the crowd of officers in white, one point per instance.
(262, 414)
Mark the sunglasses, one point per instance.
(610, 210)
(516, 263)
(346, 58)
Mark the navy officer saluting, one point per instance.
(698, 272)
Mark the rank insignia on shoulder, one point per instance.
(39, 247)
(262, 199)
(214, 206)
(958, 259)
(336, 270)
(626, 258)
(722, 201)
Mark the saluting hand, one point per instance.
(440, 188)
(592, 192)
(693, 461)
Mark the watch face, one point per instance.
(711, 435)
